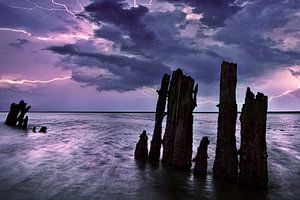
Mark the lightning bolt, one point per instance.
(284, 93)
(24, 81)
(51, 38)
(16, 30)
(294, 70)
(63, 37)
(37, 6)
(65, 7)
(80, 5)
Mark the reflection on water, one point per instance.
(90, 156)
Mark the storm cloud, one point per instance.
(234, 30)
(215, 12)
(114, 46)
(121, 73)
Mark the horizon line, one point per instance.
(74, 111)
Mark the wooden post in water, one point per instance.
(226, 160)
(169, 136)
(141, 148)
(253, 152)
(200, 169)
(183, 143)
(16, 115)
(178, 138)
(156, 141)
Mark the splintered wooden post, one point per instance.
(16, 115)
(154, 153)
(141, 149)
(200, 169)
(23, 110)
(178, 138)
(253, 152)
(226, 159)
(183, 143)
(169, 136)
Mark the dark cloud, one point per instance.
(19, 43)
(116, 12)
(251, 31)
(112, 14)
(151, 36)
(231, 30)
(215, 12)
(67, 49)
(123, 73)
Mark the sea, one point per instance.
(91, 156)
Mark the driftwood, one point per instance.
(156, 141)
(226, 160)
(253, 152)
(141, 149)
(178, 138)
(200, 168)
(16, 115)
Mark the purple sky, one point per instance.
(109, 55)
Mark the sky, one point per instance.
(110, 55)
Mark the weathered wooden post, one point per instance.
(253, 152)
(141, 149)
(156, 141)
(23, 110)
(11, 119)
(226, 159)
(200, 168)
(16, 114)
(169, 136)
(178, 138)
(183, 143)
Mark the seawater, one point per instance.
(90, 156)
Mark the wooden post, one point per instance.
(253, 152)
(156, 141)
(16, 114)
(169, 136)
(178, 138)
(200, 169)
(183, 143)
(226, 159)
(141, 149)
(23, 110)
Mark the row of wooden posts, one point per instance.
(246, 166)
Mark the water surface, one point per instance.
(90, 156)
